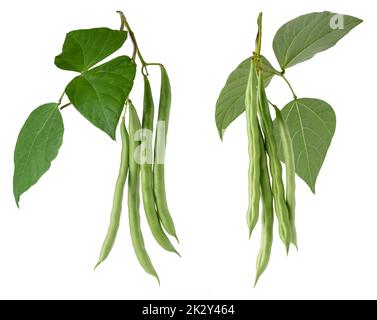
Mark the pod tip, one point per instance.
(287, 248)
(176, 238)
(250, 232)
(97, 264)
(158, 279)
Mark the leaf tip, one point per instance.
(56, 59)
(17, 199)
(221, 133)
(110, 132)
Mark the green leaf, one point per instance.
(231, 102)
(311, 124)
(301, 38)
(37, 145)
(83, 49)
(100, 93)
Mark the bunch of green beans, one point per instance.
(266, 183)
(144, 167)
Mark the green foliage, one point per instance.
(83, 49)
(296, 41)
(231, 102)
(100, 93)
(311, 124)
(37, 145)
(301, 133)
(301, 38)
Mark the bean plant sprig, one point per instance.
(101, 93)
(299, 136)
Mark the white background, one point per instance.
(49, 246)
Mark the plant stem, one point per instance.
(60, 102)
(289, 85)
(65, 106)
(155, 64)
(272, 104)
(258, 42)
(122, 21)
(61, 98)
(125, 24)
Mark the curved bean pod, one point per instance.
(117, 198)
(289, 160)
(251, 102)
(278, 193)
(159, 154)
(147, 175)
(267, 216)
(134, 198)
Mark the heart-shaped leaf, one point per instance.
(303, 37)
(83, 49)
(231, 102)
(100, 93)
(311, 124)
(37, 145)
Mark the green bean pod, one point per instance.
(251, 102)
(117, 198)
(159, 154)
(278, 193)
(134, 197)
(147, 173)
(289, 159)
(267, 216)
